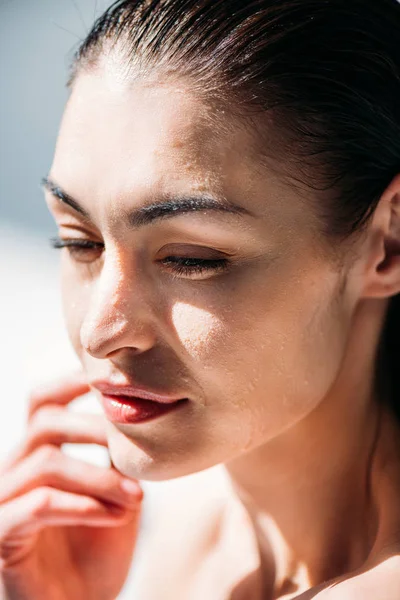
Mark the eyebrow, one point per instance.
(149, 213)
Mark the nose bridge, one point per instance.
(114, 316)
(112, 291)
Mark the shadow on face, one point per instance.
(189, 270)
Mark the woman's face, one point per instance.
(252, 333)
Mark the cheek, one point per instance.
(279, 360)
(198, 330)
(300, 359)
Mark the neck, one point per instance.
(311, 493)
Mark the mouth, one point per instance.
(128, 404)
(127, 409)
(130, 391)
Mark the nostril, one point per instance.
(103, 338)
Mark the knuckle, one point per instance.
(37, 424)
(44, 430)
(42, 501)
(48, 455)
(42, 393)
(37, 394)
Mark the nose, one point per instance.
(118, 316)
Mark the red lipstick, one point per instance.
(128, 404)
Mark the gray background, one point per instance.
(37, 41)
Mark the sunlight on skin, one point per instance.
(274, 353)
(196, 328)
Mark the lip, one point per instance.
(130, 410)
(130, 391)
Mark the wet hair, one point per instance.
(326, 73)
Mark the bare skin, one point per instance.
(58, 514)
(274, 347)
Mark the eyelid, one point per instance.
(187, 249)
(194, 251)
(84, 230)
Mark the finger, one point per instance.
(49, 467)
(45, 506)
(57, 426)
(61, 391)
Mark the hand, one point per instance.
(67, 528)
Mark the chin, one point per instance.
(144, 460)
(147, 460)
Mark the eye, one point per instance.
(81, 250)
(87, 251)
(192, 267)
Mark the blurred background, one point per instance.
(37, 42)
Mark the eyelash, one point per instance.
(180, 265)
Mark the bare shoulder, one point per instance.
(181, 528)
(381, 582)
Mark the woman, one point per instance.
(226, 184)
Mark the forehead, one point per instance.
(126, 143)
(146, 135)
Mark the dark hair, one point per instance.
(326, 71)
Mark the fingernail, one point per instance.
(130, 486)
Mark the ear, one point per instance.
(383, 260)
